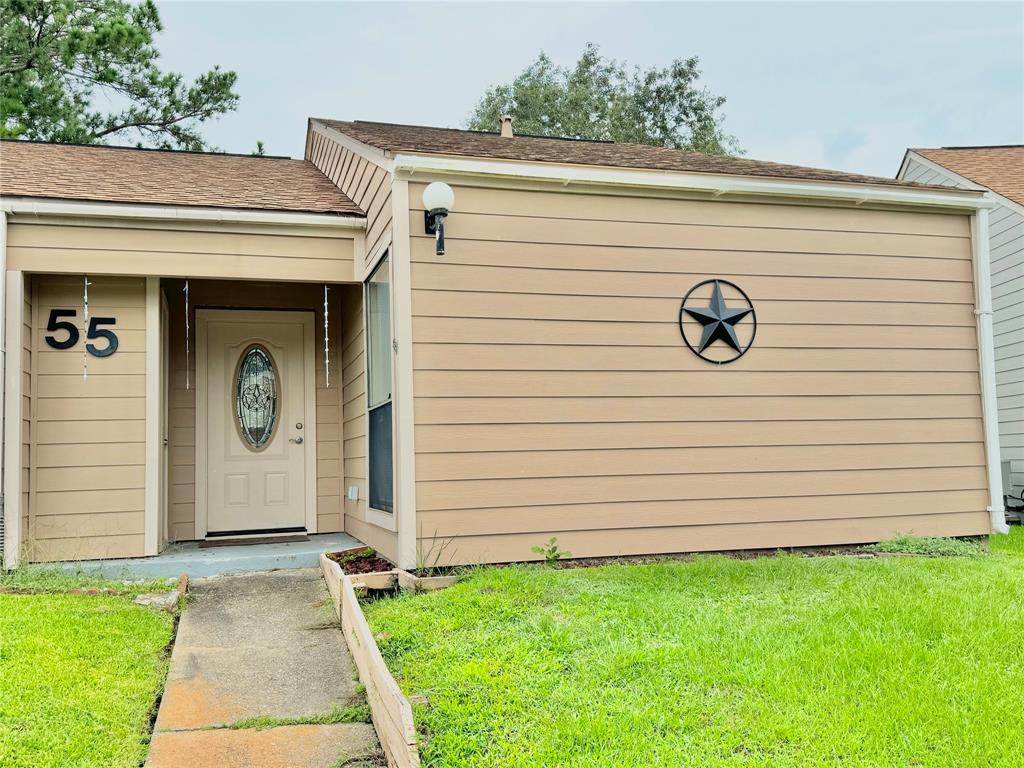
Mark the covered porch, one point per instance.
(236, 408)
(141, 427)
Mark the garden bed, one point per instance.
(716, 661)
(361, 560)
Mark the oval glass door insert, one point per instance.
(256, 396)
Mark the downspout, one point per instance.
(3, 371)
(987, 360)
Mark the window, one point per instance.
(378, 387)
(256, 396)
(378, 329)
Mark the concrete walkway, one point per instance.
(261, 645)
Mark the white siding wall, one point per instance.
(1006, 240)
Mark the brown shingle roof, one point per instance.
(124, 175)
(1001, 169)
(451, 141)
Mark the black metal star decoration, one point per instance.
(718, 320)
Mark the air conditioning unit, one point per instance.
(1014, 502)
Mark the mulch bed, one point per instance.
(356, 561)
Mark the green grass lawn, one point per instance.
(780, 661)
(79, 674)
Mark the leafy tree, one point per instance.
(61, 59)
(600, 98)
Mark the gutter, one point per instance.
(987, 361)
(55, 207)
(717, 185)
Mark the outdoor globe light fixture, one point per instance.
(438, 199)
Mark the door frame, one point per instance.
(203, 318)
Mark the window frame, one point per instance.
(382, 517)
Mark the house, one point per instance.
(1000, 170)
(633, 349)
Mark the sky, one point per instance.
(843, 85)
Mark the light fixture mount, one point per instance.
(438, 199)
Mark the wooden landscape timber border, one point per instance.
(389, 708)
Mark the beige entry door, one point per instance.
(255, 422)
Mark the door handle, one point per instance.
(296, 440)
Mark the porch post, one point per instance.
(405, 450)
(13, 321)
(151, 538)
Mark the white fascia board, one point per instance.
(954, 176)
(38, 206)
(407, 166)
(373, 154)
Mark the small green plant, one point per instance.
(552, 554)
(428, 558)
(357, 554)
(928, 546)
(357, 713)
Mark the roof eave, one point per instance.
(374, 154)
(43, 206)
(997, 197)
(407, 165)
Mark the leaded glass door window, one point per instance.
(256, 397)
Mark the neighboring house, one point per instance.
(570, 366)
(1001, 171)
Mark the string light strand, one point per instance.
(85, 311)
(187, 350)
(327, 349)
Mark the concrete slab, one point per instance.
(254, 645)
(186, 557)
(257, 645)
(292, 746)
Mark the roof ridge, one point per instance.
(480, 133)
(151, 149)
(975, 146)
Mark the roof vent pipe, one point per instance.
(506, 126)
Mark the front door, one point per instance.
(255, 400)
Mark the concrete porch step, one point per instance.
(198, 563)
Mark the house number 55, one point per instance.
(58, 324)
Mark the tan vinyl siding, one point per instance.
(182, 449)
(554, 395)
(87, 446)
(182, 249)
(355, 427)
(365, 182)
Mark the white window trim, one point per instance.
(374, 516)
